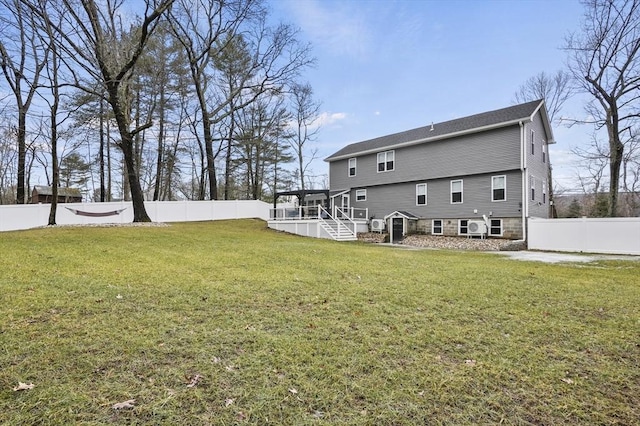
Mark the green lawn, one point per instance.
(279, 329)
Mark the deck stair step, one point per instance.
(337, 230)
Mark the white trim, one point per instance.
(347, 197)
(385, 153)
(501, 228)
(532, 188)
(493, 188)
(425, 194)
(460, 227)
(362, 191)
(441, 226)
(461, 191)
(355, 165)
(532, 143)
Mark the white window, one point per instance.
(495, 227)
(361, 195)
(386, 161)
(544, 192)
(463, 227)
(436, 227)
(533, 144)
(498, 188)
(421, 194)
(352, 167)
(544, 152)
(532, 185)
(456, 191)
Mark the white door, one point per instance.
(344, 206)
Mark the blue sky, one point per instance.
(388, 66)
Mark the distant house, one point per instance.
(483, 174)
(44, 194)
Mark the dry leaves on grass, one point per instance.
(193, 382)
(124, 405)
(229, 401)
(23, 386)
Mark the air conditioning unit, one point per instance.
(476, 227)
(377, 225)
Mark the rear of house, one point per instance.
(490, 168)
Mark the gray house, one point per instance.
(484, 174)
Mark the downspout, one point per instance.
(523, 169)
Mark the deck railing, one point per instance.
(294, 213)
(352, 213)
(315, 212)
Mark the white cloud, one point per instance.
(330, 118)
(334, 26)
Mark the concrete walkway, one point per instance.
(549, 257)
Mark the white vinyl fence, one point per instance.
(590, 235)
(15, 217)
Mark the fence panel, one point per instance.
(589, 235)
(16, 217)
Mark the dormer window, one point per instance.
(386, 161)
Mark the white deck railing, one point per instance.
(316, 212)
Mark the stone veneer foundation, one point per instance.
(511, 227)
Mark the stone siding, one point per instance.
(511, 227)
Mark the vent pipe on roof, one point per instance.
(431, 130)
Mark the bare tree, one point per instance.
(305, 113)
(22, 59)
(276, 58)
(554, 89)
(93, 35)
(605, 62)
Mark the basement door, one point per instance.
(397, 229)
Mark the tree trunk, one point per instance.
(102, 186)
(211, 168)
(160, 160)
(22, 157)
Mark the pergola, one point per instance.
(301, 194)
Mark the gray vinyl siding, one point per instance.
(484, 152)
(385, 199)
(537, 168)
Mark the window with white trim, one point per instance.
(544, 192)
(386, 161)
(532, 185)
(495, 227)
(421, 194)
(436, 227)
(361, 195)
(463, 227)
(498, 188)
(533, 144)
(352, 167)
(456, 191)
(544, 152)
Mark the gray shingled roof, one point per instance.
(441, 130)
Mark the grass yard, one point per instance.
(228, 322)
